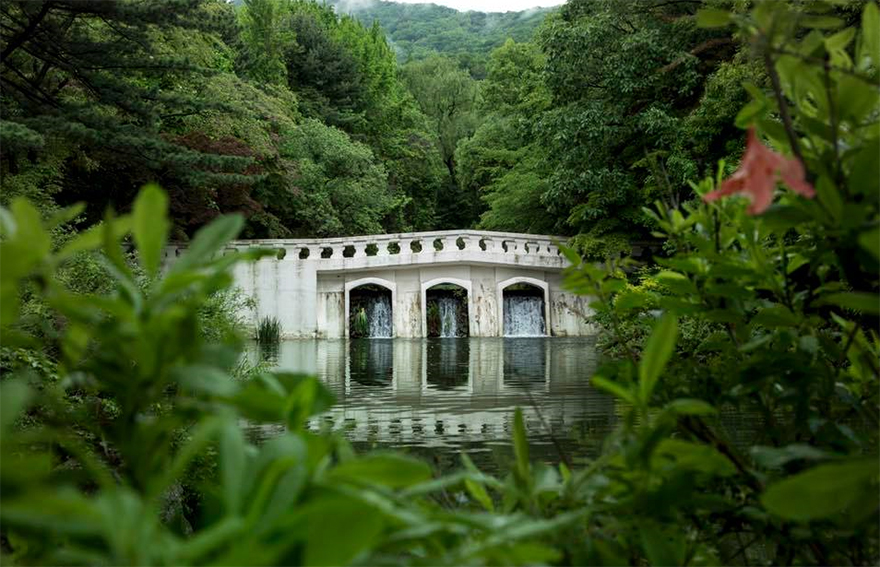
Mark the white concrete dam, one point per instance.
(308, 286)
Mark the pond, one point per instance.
(437, 397)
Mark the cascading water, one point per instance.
(523, 316)
(448, 308)
(379, 316)
(373, 318)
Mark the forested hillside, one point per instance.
(304, 120)
(417, 31)
(280, 110)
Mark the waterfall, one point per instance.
(448, 308)
(379, 316)
(523, 316)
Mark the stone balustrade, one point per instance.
(364, 252)
(307, 283)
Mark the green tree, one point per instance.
(266, 35)
(346, 75)
(328, 184)
(623, 78)
(419, 31)
(448, 96)
(96, 88)
(501, 166)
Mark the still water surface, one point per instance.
(437, 397)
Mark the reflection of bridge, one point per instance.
(430, 392)
(307, 286)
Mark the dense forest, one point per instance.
(303, 119)
(417, 31)
(740, 139)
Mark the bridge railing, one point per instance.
(403, 244)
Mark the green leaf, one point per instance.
(856, 99)
(339, 529)
(822, 491)
(570, 254)
(862, 302)
(394, 471)
(520, 444)
(475, 489)
(870, 46)
(690, 406)
(692, 456)
(712, 18)
(60, 511)
(783, 217)
(205, 379)
(821, 22)
(94, 237)
(830, 197)
(795, 262)
(840, 40)
(7, 223)
(232, 465)
(864, 177)
(775, 316)
(663, 546)
(28, 245)
(632, 299)
(750, 113)
(66, 215)
(657, 353)
(677, 283)
(207, 539)
(529, 553)
(776, 457)
(870, 241)
(150, 226)
(613, 388)
(307, 396)
(14, 395)
(208, 241)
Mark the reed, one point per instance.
(269, 331)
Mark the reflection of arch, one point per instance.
(540, 284)
(387, 284)
(465, 284)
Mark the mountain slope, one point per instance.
(417, 31)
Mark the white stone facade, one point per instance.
(308, 287)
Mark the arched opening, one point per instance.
(446, 311)
(446, 308)
(524, 310)
(370, 312)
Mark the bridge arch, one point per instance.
(381, 282)
(465, 284)
(534, 282)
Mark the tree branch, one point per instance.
(27, 32)
(783, 106)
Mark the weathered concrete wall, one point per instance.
(279, 290)
(310, 296)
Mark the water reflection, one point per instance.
(438, 396)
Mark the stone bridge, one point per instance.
(308, 285)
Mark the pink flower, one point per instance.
(756, 176)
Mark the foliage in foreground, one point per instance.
(104, 471)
